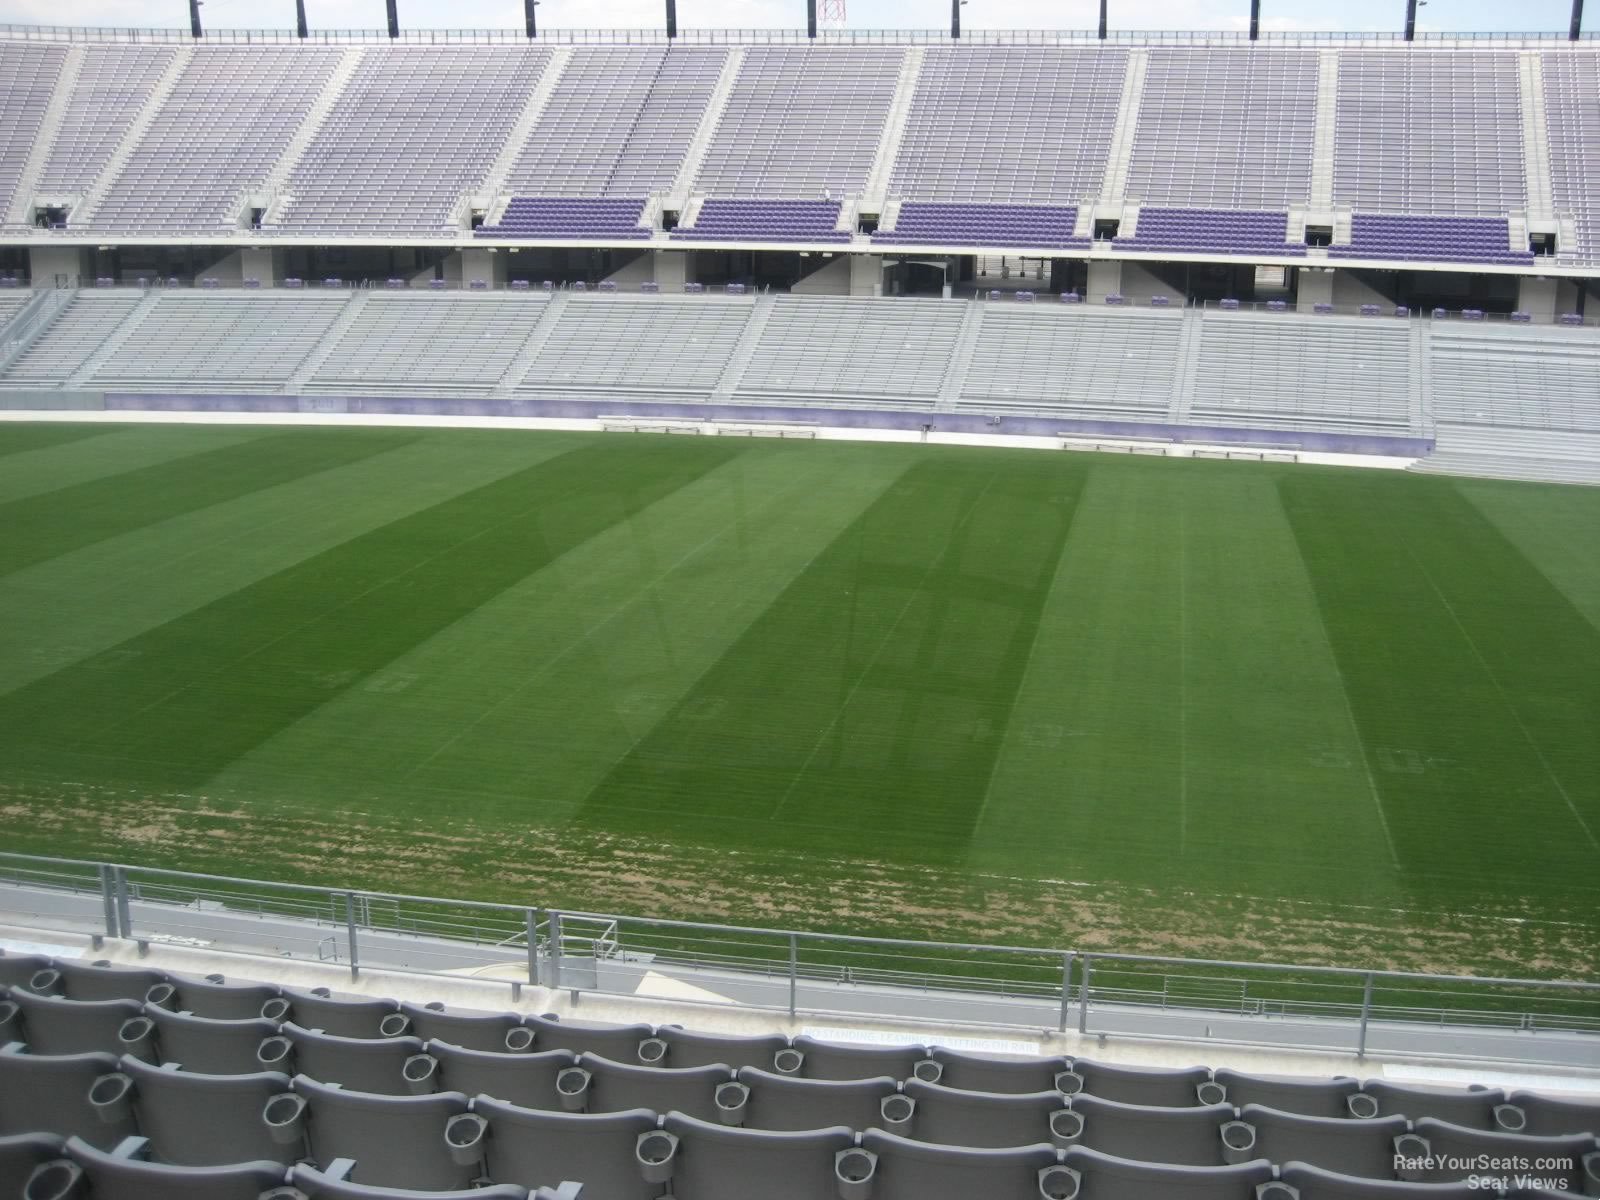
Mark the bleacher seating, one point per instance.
(1009, 125)
(1572, 114)
(1545, 378)
(30, 73)
(111, 88)
(618, 123)
(1225, 128)
(766, 221)
(801, 120)
(556, 217)
(1442, 239)
(11, 302)
(656, 345)
(1421, 132)
(1033, 226)
(1217, 231)
(848, 1115)
(233, 112)
(417, 129)
(77, 331)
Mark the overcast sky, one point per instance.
(1450, 15)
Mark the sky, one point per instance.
(1286, 15)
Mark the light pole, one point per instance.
(955, 19)
(1102, 20)
(194, 19)
(528, 18)
(300, 29)
(394, 18)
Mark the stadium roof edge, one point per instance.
(978, 37)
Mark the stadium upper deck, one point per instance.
(1437, 155)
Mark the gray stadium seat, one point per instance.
(51, 1025)
(1545, 1115)
(1190, 1137)
(1106, 1177)
(718, 1163)
(216, 998)
(1306, 1095)
(384, 1066)
(1315, 1183)
(100, 980)
(956, 1117)
(840, 1060)
(1364, 1148)
(10, 1019)
(18, 972)
(1572, 1159)
(205, 1120)
(528, 1080)
(1473, 1108)
(211, 1047)
(20, 1154)
(909, 1170)
(318, 1185)
(619, 1043)
(1158, 1086)
(71, 1094)
(618, 1087)
(544, 1149)
(688, 1049)
(117, 1177)
(396, 1141)
(469, 1030)
(351, 1017)
(781, 1102)
(982, 1073)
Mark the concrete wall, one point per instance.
(672, 269)
(1538, 296)
(1105, 279)
(832, 278)
(866, 274)
(45, 263)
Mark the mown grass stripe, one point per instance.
(16, 437)
(171, 708)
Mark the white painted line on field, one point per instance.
(664, 987)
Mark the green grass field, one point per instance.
(1177, 706)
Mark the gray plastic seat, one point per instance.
(1473, 1107)
(20, 1154)
(842, 1060)
(956, 1117)
(211, 1047)
(1571, 1160)
(317, 1185)
(1107, 1177)
(67, 1095)
(1190, 1137)
(220, 1000)
(18, 971)
(985, 1073)
(619, 1087)
(51, 1025)
(528, 1080)
(1363, 1148)
(101, 980)
(469, 1030)
(619, 1043)
(114, 1177)
(205, 1120)
(718, 1163)
(543, 1149)
(1316, 1183)
(1546, 1116)
(385, 1067)
(396, 1141)
(1308, 1096)
(685, 1048)
(910, 1170)
(783, 1102)
(344, 1016)
(1158, 1086)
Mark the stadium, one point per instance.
(811, 614)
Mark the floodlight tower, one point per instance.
(194, 19)
(831, 14)
(300, 29)
(1576, 29)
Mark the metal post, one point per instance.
(955, 19)
(124, 914)
(672, 19)
(350, 931)
(528, 18)
(1366, 1012)
(555, 949)
(1255, 20)
(811, 18)
(1066, 988)
(108, 898)
(1083, 995)
(533, 946)
(1102, 20)
(794, 970)
(1576, 29)
(194, 19)
(300, 28)
(394, 18)
(1411, 20)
